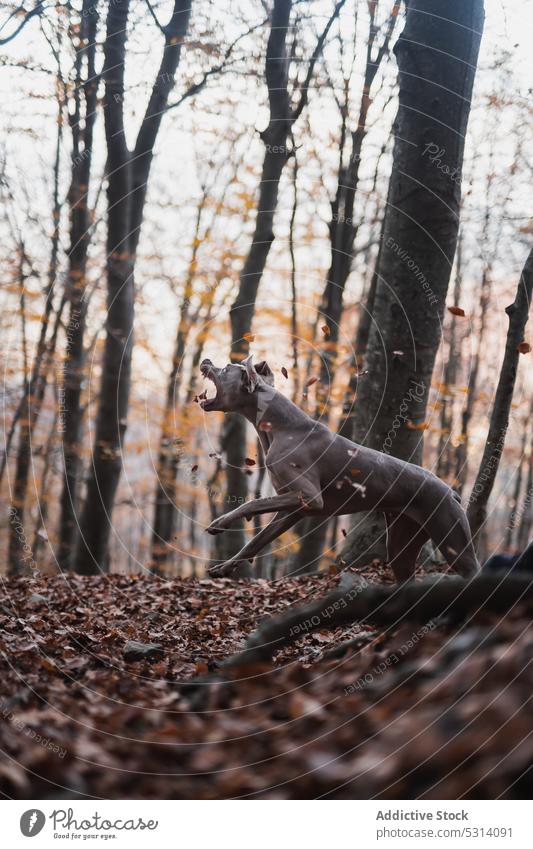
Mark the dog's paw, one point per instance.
(222, 570)
(217, 526)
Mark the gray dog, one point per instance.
(316, 472)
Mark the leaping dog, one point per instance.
(317, 472)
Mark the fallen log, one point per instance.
(355, 600)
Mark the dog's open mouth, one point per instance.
(208, 372)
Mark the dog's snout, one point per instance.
(206, 366)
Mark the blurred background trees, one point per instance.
(238, 157)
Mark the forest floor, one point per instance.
(442, 712)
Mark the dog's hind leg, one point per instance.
(449, 529)
(278, 524)
(405, 538)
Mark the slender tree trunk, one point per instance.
(170, 446)
(461, 456)
(113, 401)
(343, 227)
(294, 296)
(444, 458)
(80, 222)
(512, 522)
(518, 313)
(489, 254)
(275, 139)
(35, 386)
(526, 515)
(127, 185)
(343, 230)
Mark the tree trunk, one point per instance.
(275, 139)
(451, 369)
(518, 313)
(343, 230)
(170, 447)
(127, 184)
(343, 227)
(489, 252)
(80, 222)
(526, 515)
(35, 384)
(513, 514)
(436, 60)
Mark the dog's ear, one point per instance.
(264, 370)
(249, 377)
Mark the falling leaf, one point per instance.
(398, 354)
(249, 461)
(284, 372)
(248, 336)
(326, 330)
(417, 426)
(344, 532)
(457, 311)
(311, 381)
(524, 348)
(194, 468)
(214, 454)
(265, 426)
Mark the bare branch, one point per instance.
(312, 62)
(216, 69)
(40, 7)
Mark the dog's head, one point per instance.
(237, 385)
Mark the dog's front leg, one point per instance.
(287, 501)
(281, 522)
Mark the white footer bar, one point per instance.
(267, 824)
